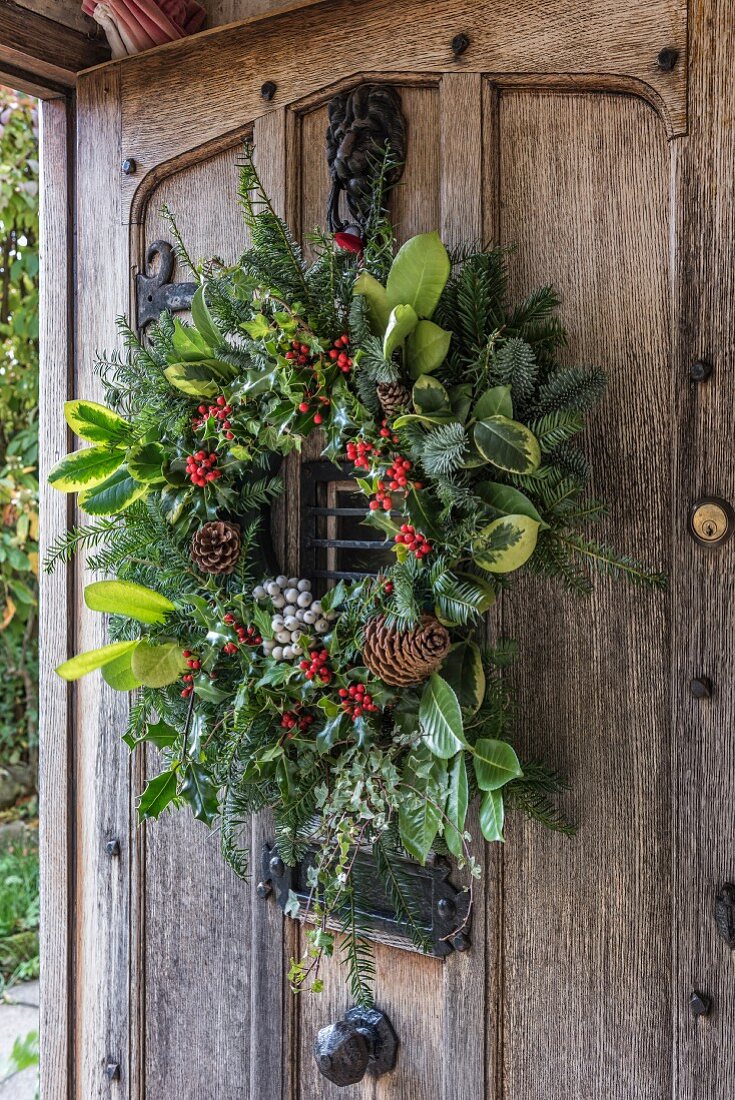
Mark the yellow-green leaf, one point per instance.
(496, 764)
(492, 816)
(377, 301)
(427, 348)
(506, 543)
(96, 423)
(507, 444)
(113, 495)
(440, 718)
(84, 469)
(401, 322)
(128, 598)
(419, 274)
(92, 659)
(158, 665)
(119, 673)
(193, 379)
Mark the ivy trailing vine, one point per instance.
(368, 717)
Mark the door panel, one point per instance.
(584, 196)
(568, 990)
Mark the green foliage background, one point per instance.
(18, 427)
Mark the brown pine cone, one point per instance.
(393, 397)
(215, 547)
(400, 658)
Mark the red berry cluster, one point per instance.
(194, 663)
(356, 701)
(247, 635)
(221, 411)
(387, 433)
(338, 352)
(417, 543)
(317, 667)
(305, 406)
(292, 718)
(300, 354)
(202, 468)
(358, 453)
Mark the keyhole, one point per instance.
(710, 529)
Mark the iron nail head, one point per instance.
(113, 847)
(112, 1071)
(699, 1003)
(268, 90)
(130, 166)
(460, 43)
(667, 59)
(701, 687)
(700, 370)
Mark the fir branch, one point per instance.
(356, 951)
(444, 449)
(609, 562)
(398, 892)
(572, 388)
(533, 795)
(67, 544)
(181, 250)
(556, 428)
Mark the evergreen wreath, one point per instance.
(368, 718)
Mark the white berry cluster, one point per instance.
(296, 615)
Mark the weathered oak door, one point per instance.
(597, 137)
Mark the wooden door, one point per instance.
(597, 138)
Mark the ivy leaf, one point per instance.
(128, 598)
(506, 544)
(507, 444)
(463, 671)
(113, 495)
(83, 663)
(419, 815)
(158, 794)
(419, 273)
(492, 816)
(158, 665)
(456, 805)
(96, 423)
(496, 764)
(440, 718)
(427, 348)
(200, 792)
(85, 469)
(402, 321)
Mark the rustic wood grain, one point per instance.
(55, 622)
(702, 636)
(302, 50)
(587, 933)
(44, 49)
(103, 954)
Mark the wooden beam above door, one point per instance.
(40, 53)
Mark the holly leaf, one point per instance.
(158, 795)
(200, 792)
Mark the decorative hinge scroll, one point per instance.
(154, 290)
(440, 908)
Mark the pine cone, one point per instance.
(400, 658)
(392, 397)
(215, 547)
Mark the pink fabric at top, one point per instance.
(135, 25)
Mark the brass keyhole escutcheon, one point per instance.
(711, 521)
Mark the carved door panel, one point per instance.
(555, 131)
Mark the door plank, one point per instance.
(103, 958)
(55, 623)
(703, 641)
(197, 912)
(587, 932)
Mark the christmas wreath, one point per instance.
(367, 716)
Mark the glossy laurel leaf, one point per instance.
(458, 798)
(419, 274)
(429, 396)
(402, 321)
(464, 672)
(377, 301)
(440, 718)
(492, 816)
(427, 348)
(119, 673)
(157, 666)
(494, 402)
(507, 501)
(496, 764)
(193, 379)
